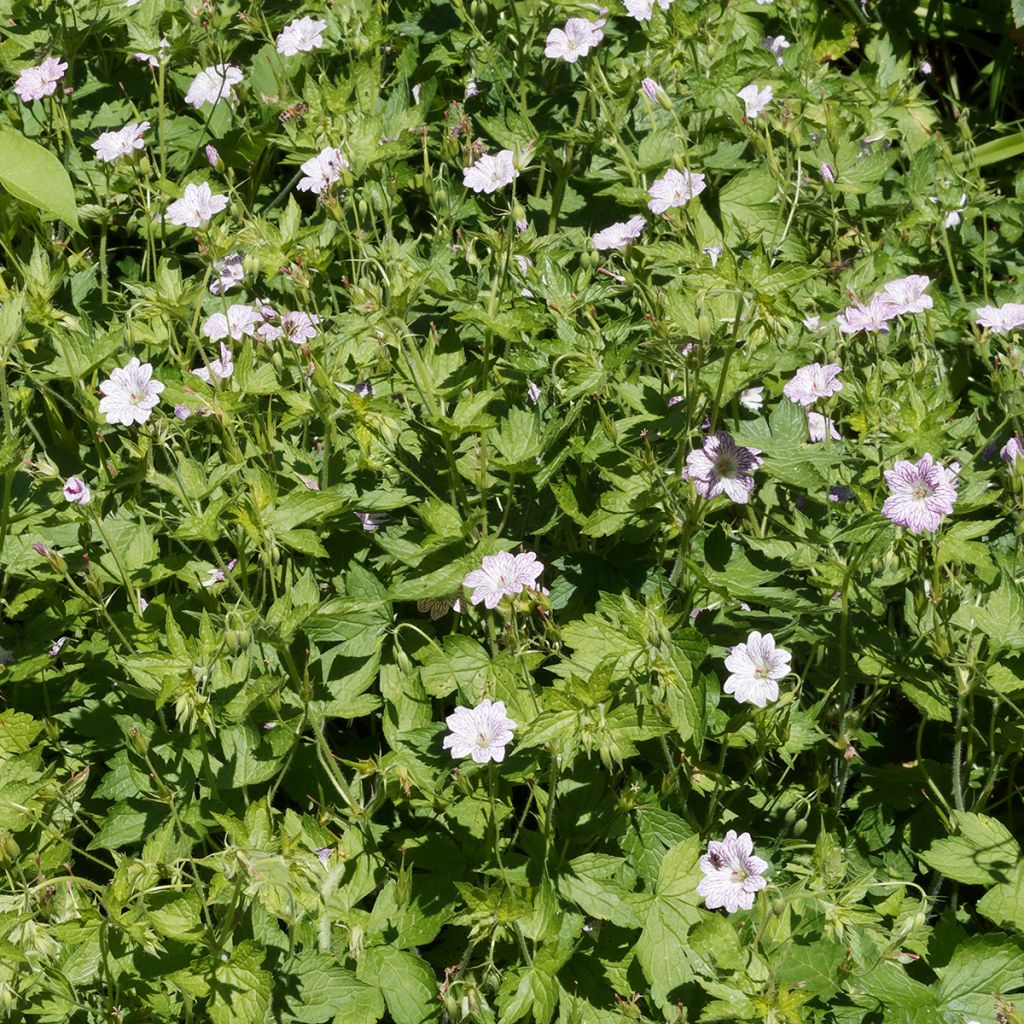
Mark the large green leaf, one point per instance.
(33, 174)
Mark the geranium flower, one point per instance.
(652, 89)
(755, 668)
(296, 326)
(732, 874)
(228, 273)
(907, 295)
(875, 316)
(301, 36)
(643, 10)
(618, 236)
(812, 382)
(440, 606)
(720, 466)
(818, 425)
(218, 575)
(921, 494)
(490, 173)
(1012, 450)
(675, 188)
(195, 208)
(213, 84)
(111, 146)
(502, 575)
(35, 83)
(754, 99)
(752, 399)
(576, 40)
(221, 368)
(322, 171)
(482, 732)
(239, 321)
(1001, 319)
(76, 492)
(130, 393)
(776, 46)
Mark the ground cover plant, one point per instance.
(511, 512)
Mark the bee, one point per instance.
(296, 112)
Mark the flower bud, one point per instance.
(138, 741)
(9, 849)
(827, 172)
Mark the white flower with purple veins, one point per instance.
(301, 36)
(643, 10)
(952, 219)
(813, 382)
(755, 669)
(675, 188)
(754, 99)
(490, 173)
(1010, 452)
(652, 89)
(776, 46)
(299, 327)
(618, 236)
(720, 466)
(482, 732)
(322, 171)
(921, 494)
(752, 399)
(812, 323)
(907, 294)
(732, 874)
(76, 491)
(371, 521)
(213, 84)
(239, 321)
(875, 316)
(195, 208)
(818, 426)
(130, 393)
(125, 141)
(1001, 319)
(576, 40)
(228, 273)
(35, 83)
(503, 575)
(440, 606)
(214, 576)
(221, 368)
(714, 251)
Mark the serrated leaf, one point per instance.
(982, 852)
(328, 990)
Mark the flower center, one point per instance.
(739, 874)
(726, 465)
(483, 741)
(920, 491)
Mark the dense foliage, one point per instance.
(350, 306)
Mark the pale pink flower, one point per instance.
(720, 466)
(1012, 450)
(875, 316)
(371, 522)
(675, 188)
(111, 146)
(776, 46)
(755, 668)
(576, 40)
(921, 494)
(907, 295)
(818, 425)
(732, 874)
(301, 36)
(239, 321)
(752, 399)
(812, 323)
(714, 251)
(35, 83)
(754, 99)
(490, 173)
(502, 575)
(76, 491)
(827, 172)
(296, 326)
(643, 10)
(1001, 319)
(440, 606)
(618, 236)
(221, 368)
(195, 208)
(213, 84)
(482, 732)
(652, 89)
(322, 171)
(228, 273)
(218, 575)
(130, 393)
(812, 382)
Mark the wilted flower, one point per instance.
(720, 466)
(675, 188)
(502, 575)
(322, 171)
(228, 273)
(182, 411)
(907, 295)
(818, 426)
(239, 321)
(812, 382)
(952, 218)
(130, 393)
(439, 606)
(754, 99)
(1012, 450)
(840, 493)
(714, 251)
(35, 83)
(752, 399)
(222, 368)
(76, 492)
(58, 646)
(113, 145)
(775, 45)
(652, 89)
(482, 732)
(533, 392)
(371, 521)
(812, 323)
(732, 874)
(218, 575)
(195, 208)
(874, 316)
(755, 668)
(213, 84)
(301, 35)
(921, 494)
(1001, 319)
(643, 10)
(576, 40)
(619, 235)
(490, 173)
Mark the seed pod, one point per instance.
(800, 827)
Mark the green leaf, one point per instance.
(982, 852)
(1004, 903)
(527, 993)
(408, 983)
(327, 990)
(1002, 618)
(240, 990)
(980, 966)
(33, 174)
(589, 882)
